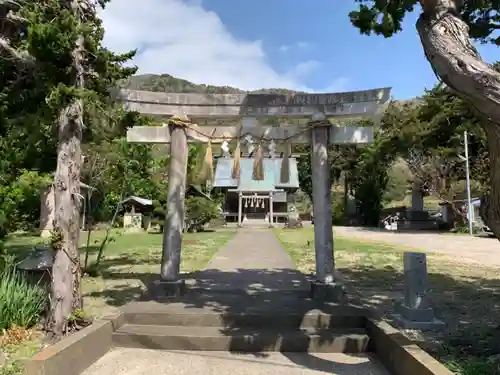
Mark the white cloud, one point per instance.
(298, 45)
(284, 48)
(340, 84)
(305, 68)
(302, 45)
(183, 39)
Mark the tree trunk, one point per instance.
(454, 59)
(66, 272)
(491, 213)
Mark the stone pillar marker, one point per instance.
(417, 200)
(415, 311)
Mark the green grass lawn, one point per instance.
(130, 260)
(133, 259)
(465, 296)
(300, 245)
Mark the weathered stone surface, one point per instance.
(416, 315)
(399, 354)
(415, 312)
(294, 224)
(332, 292)
(39, 260)
(174, 220)
(434, 324)
(337, 135)
(322, 205)
(415, 280)
(73, 353)
(417, 199)
(293, 220)
(357, 103)
(173, 288)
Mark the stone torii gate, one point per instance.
(304, 118)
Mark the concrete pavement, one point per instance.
(121, 361)
(252, 261)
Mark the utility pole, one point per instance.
(467, 176)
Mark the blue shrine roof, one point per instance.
(271, 180)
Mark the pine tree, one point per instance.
(60, 70)
(446, 29)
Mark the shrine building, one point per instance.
(249, 199)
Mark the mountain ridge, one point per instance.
(168, 83)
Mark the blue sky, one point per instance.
(251, 44)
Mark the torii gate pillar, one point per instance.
(170, 283)
(324, 287)
(174, 218)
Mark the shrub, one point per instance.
(464, 228)
(21, 303)
(473, 366)
(158, 214)
(199, 211)
(20, 201)
(338, 208)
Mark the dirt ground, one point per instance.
(464, 286)
(461, 248)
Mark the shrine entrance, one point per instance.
(253, 137)
(260, 200)
(254, 206)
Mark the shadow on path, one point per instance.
(257, 312)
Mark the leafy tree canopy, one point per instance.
(385, 17)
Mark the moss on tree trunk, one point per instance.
(66, 271)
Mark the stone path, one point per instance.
(145, 362)
(462, 248)
(253, 261)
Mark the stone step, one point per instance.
(273, 310)
(241, 340)
(272, 319)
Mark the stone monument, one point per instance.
(415, 311)
(293, 221)
(132, 221)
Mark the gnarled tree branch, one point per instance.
(11, 27)
(447, 46)
(21, 56)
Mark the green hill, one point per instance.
(167, 83)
